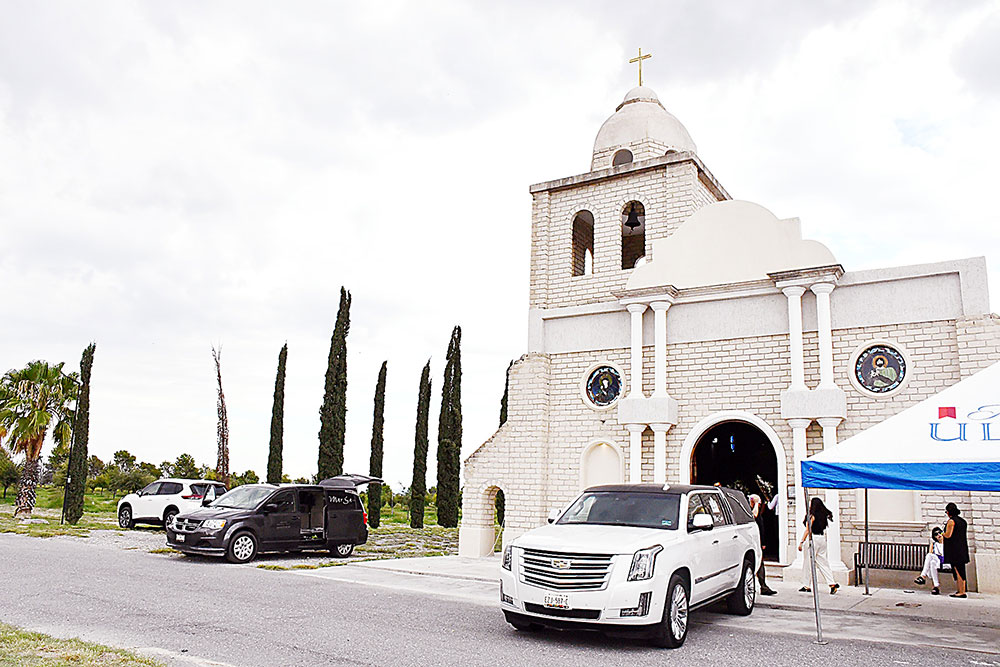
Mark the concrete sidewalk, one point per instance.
(918, 604)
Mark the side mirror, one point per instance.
(270, 507)
(702, 522)
(554, 514)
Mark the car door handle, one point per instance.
(715, 542)
(736, 537)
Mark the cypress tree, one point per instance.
(418, 487)
(333, 412)
(506, 395)
(76, 474)
(375, 463)
(274, 455)
(450, 433)
(222, 459)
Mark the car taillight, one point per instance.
(364, 512)
(192, 497)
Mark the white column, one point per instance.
(823, 322)
(794, 294)
(635, 381)
(660, 452)
(829, 425)
(799, 427)
(635, 452)
(660, 339)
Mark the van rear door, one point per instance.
(344, 516)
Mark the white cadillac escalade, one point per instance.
(634, 558)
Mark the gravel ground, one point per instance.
(388, 541)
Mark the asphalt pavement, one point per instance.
(199, 611)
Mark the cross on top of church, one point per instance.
(639, 60)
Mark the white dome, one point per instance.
(641, 117)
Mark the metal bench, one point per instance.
(890, 556)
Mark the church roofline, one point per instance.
(633, 168)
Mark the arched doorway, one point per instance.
(601, 463)
(738, 453)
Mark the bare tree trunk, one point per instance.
(26, 494)
(222, 462)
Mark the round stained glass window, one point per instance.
(880, 369)
(603, 386)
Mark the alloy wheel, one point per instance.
(243, 547)
(749, 587)
(678, 612)
(124, 518)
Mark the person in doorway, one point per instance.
(956, 547)
(757, 505)
(816, 524)
(932, 562)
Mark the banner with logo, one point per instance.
(950, 441)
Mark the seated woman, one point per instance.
(932, 562)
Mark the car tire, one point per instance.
(342, 550)
(673, 627)
(242, 548)
(125, 520)
(520, 624)
(741, 601)
(168, 515)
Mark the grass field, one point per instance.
(100, 514)
(32, 649)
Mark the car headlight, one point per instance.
(214, 524)
(508, 558)
(643, 563)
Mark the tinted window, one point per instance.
(150, 489)
(624, 508)
(285, 502)
(199, 489)
(714, 505)
(169, 488)
(344, 500)
(695, 506)
(740, 506)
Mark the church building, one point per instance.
(676, 335)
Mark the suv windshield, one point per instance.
(244, 497)
(624, 508)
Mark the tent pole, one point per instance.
(868, 555)
(812, 567)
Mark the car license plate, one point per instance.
(557, 601)
(179, 538)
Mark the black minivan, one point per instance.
(257, 518)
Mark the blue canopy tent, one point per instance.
(948, 442)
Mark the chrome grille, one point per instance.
(560, 571)
(185, 525)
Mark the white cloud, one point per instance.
(177, 175)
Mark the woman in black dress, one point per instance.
(956, 547)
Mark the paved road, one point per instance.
(202, 612)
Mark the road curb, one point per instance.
(864, 612)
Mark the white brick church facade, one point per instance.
(677, 335)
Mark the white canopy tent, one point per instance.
(950, 441)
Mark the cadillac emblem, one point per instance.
(560, 563)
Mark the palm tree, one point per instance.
(32, 399)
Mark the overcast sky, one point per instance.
(177, 175)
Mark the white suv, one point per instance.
(634, 559)
(164, 499)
